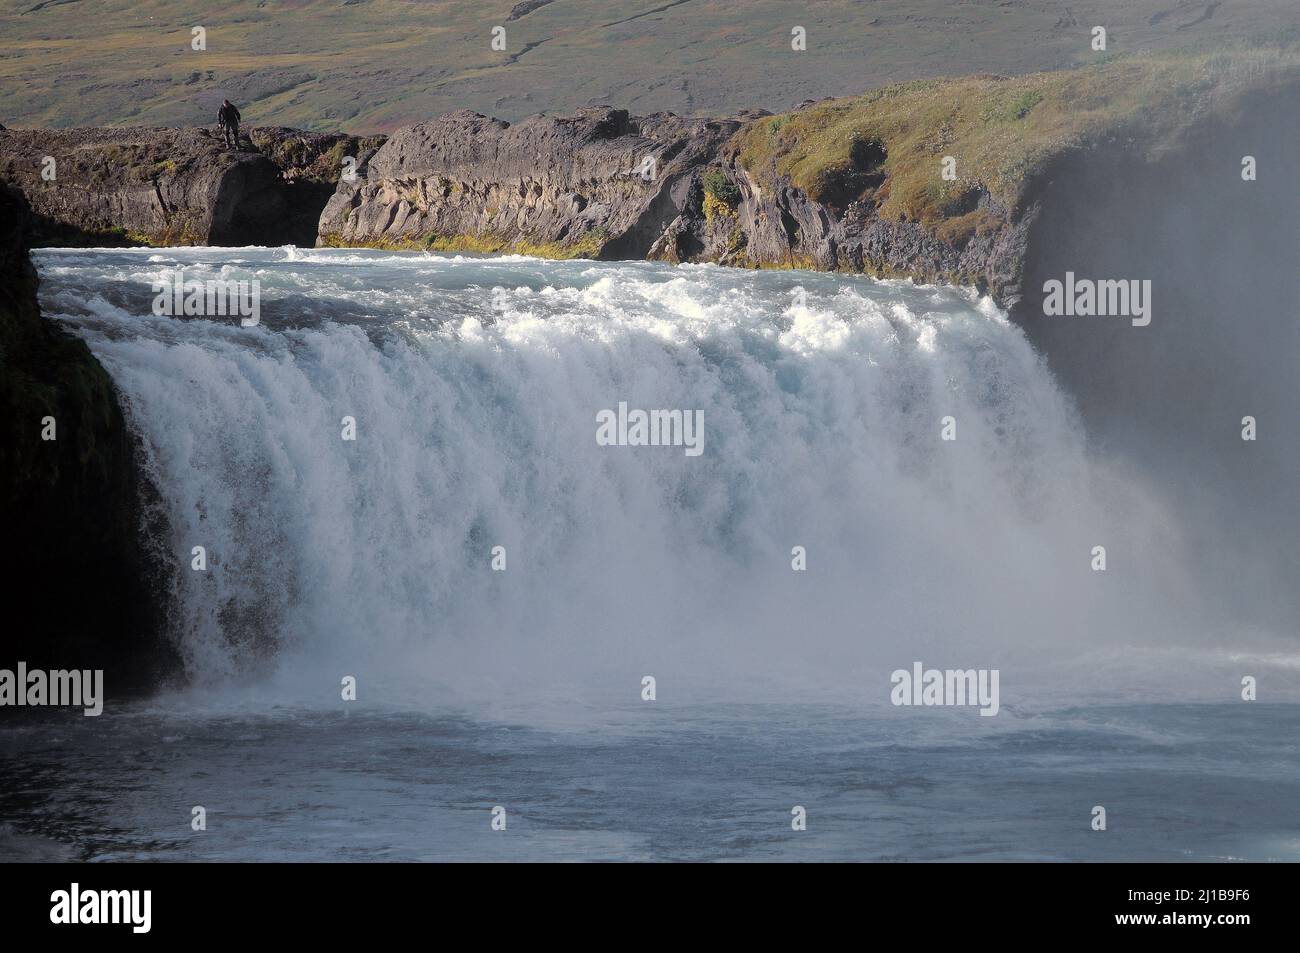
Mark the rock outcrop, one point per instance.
(76, 575)
(311, 164)
(852, 185)
(158, 186)
(937, 181)
(606, 185)
(781, 226)
(600, 184)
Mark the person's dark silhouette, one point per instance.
(228, 118)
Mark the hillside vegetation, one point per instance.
(375, 65)
(888, 146)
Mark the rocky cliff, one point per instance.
(157, 186)
(77, 581)
(1222, 253)
(606, 185)
(311, 165)
(939, 180)
(600, 184)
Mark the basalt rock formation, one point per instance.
(311, 165)
(606, 185)
(76, 577)
(782, 226)
(600, 184)
(158, 186)
(937, 181)
(853, 185)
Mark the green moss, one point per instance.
(737, 240)
(587, 245)
(70, 236)
(337, 154)
(717, 185)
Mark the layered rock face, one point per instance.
(937, 180)
(600, 184)
(76, 576)
(311, 164)
(784, 227)
(159, 186)
(606, 185)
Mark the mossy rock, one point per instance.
(999, 131)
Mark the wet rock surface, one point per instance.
(79, 587)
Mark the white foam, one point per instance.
(822, 426)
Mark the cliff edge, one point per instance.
(939, 180)
(601, 184)
(76, 576)
(157, 186)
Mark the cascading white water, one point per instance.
(475, 428)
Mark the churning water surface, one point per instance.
(823, 400)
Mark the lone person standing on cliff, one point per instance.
(228, 117)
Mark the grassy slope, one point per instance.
(999, 130)
(374, 65)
